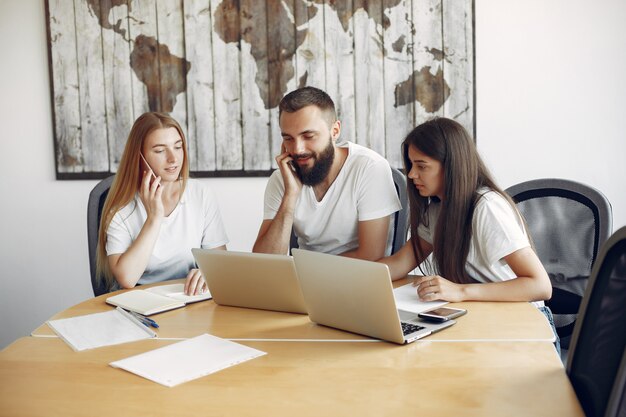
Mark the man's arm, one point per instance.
(372, 239)
(274, 234)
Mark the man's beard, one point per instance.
(320, 169)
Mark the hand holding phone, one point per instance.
(146, 167)
(441, 314)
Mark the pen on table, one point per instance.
(145, 320)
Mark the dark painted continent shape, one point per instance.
(163, 74)
(431, 91)
(272, 47)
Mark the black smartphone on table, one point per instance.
(441, 314)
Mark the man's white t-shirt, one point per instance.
(363, 190)
(195, 222)
(497, 231)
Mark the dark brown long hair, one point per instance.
(464, 173)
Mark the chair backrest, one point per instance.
(568, 222)
(599, 337)
(97, 197)
(400, 218)
(616, 406)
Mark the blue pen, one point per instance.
(145, 320)
(152, 322)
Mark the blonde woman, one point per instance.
(154, 214)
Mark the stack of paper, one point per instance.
(190, 359)
(100, 329)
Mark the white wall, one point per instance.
(551, 92)
(550, 103)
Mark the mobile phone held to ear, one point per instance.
(441, 314)
(146, 166)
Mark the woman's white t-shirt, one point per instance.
(195, 222)
(497, 231)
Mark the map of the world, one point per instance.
(220, 67)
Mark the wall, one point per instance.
(550, 103)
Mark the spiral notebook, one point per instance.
(156, 299)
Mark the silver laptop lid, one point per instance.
(252, 280)
(349, 294)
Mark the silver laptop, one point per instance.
(252, 280)
(357, 296)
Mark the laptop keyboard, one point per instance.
(408, 328)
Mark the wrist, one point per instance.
(153, 221)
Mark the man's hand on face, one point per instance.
(292, 182)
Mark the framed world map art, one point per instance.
(220, 67)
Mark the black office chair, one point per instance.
(400, 217)
(599, 338)
(97, 197)
(616, 406)
(568, 222)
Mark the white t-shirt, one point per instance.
(363, 190)
(195, 222)
(497, 231)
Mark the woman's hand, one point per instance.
(434, 287)
(195, 284)
(150, 194)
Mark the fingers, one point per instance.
(283, 159)
(195, 283)
(428, 288)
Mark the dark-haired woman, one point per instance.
(479, 242)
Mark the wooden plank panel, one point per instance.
(173, 66)
(397, 70)
(429, 85)
(118, 87)
(254, 86)
(387, 64)
(310, 57)
(459, 66)
(91, 89)
(142, 31)
(200, 87)
(338, 44)
(65, 86)
(368, 76)
(283, 39)
(226, 73)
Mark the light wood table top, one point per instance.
(485, 321)
(44, 377)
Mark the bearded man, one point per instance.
(337, 197)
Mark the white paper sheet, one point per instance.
(406, 299)
(100, 329)
(187, 360)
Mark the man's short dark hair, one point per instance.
(309, 96)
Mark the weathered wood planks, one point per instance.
(220, 67)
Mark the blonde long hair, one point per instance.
(127, 181)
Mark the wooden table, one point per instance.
(496, 361)
(43, 377)
(484, 321)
